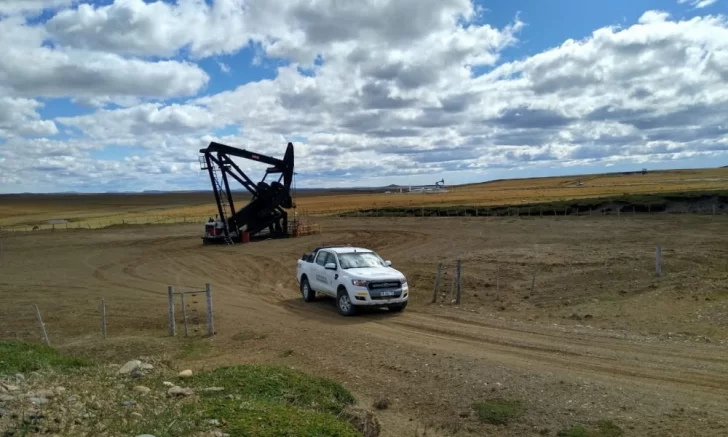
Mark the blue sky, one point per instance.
(99, 97)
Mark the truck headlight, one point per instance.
(359, 282)
(403, 281)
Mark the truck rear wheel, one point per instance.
(344, 305)
(306, 291)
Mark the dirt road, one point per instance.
(598, 338)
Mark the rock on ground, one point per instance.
(213, 389)
(381, 404)
(142, 390)
(180, 391)
(38, 400)
(48, 394)
(129, 367)
(185, 373)
(364, 421)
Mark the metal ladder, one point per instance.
(224, 205)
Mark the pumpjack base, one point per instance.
(239, 239)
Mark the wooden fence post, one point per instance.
(103, 318)
(42, 326)
(437, 283)
(459, 283)
(184, 313)
(210, 320)
(170, 292)
(658, 261)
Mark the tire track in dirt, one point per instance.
(525, 350)
(573, 361)
(589, 340)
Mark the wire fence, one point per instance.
(527, 211)
(73, 225)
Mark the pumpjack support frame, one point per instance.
(267, 207)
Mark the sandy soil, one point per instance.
(599, 337)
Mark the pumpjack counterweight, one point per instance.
(267, 207)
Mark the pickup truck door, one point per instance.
(320, 280)
(332, 276)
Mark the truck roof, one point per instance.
(344, 249)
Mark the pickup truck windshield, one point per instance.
(360, 260)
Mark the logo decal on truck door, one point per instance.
(322, 278)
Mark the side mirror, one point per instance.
(388, 263)
(330, 266)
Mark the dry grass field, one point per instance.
(519, 191)
(23, 212)
(600, 342)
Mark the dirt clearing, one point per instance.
(598, 338)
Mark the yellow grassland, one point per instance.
(23, 212)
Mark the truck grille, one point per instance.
(390, 289)
(383, 285)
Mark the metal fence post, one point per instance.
(42, 326)
(459, 283)
(184, 313)
(170, 292)
(658, 261)
(437, 283)
(210, 320)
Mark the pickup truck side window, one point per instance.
(321, 258)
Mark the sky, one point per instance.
(120, 95)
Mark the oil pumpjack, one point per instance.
(266, 210)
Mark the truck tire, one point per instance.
(398, 308)
(343, 303)
(306, 291)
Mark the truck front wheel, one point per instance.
(398, 308)
(306, 290)
(343, 303)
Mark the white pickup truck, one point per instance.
(354, 276)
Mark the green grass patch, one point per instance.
(17, 356)
(603, 428)
(194, 349)
(497, 411)
(273, 401)
(278, 384)
(267, 419)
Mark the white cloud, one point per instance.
(291, 29)
(225, 68)
(698, 4)
(377, 89)
(18, 117)
(31, 69)
(14, 7)
(135, 27)
(144, 119)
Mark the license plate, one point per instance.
(387, 293)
